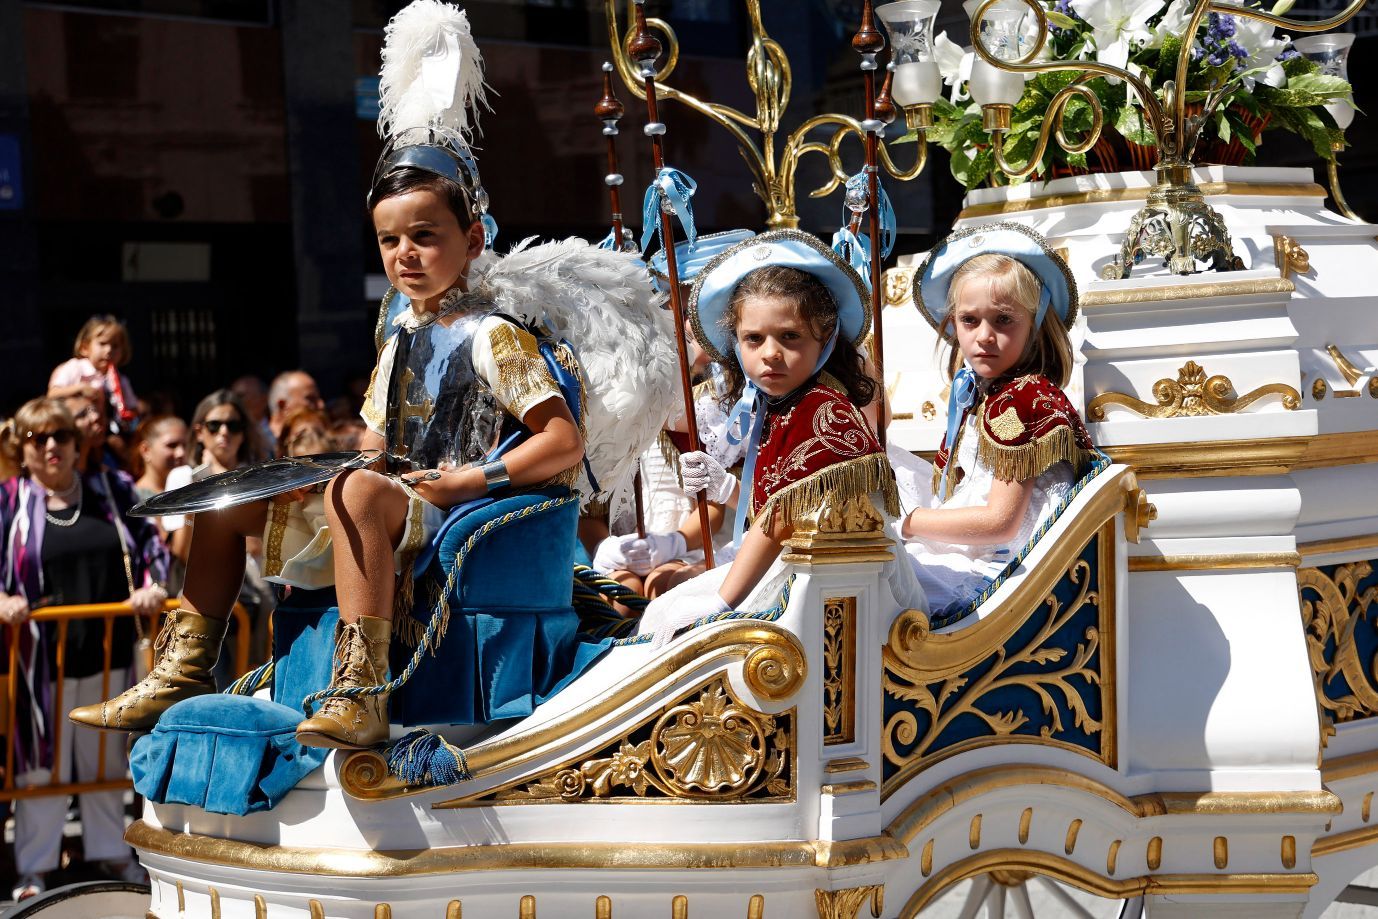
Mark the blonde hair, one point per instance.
(98, 324)
(1049, 350)
(32, 415)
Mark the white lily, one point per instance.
(1117, 26)
(954, 64)
(1174, 23)
(1256, 38)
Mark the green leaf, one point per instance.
(1167, 59)
(1298, 65)
(1222, 126)
(1134, 127)
(1322, 86)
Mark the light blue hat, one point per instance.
(690, 260)
(932, 281)
(717, 280)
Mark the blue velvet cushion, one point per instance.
(222, 753)
(512, 640)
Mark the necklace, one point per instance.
(67, 493)
(68, 521)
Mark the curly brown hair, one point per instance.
(818, 309)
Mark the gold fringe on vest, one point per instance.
(861, 476)
(1027, 461)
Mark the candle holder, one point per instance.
(1175, 223)
(1331, 54)
(769, 76)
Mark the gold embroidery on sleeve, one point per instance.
(1007, 426)
(523, 378)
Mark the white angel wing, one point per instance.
(602, 303)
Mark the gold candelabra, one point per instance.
(769, 76)
(1175, 223)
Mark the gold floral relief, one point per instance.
(1334, 608)
(707, 746)
(847, 903)
(1193, 394)
(898, 283)
(839, 670)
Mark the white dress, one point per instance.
(953, 574)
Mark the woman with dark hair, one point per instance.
(220, 438)
(68, 539)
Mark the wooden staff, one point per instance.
(868, 42)
(645, 50)
(609, 111)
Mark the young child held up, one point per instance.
(782, 313)
(101, 349)
(1002, 300)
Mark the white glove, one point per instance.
(637, 555)
(670, 613)
(700, 472)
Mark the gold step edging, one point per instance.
(1255, 456)
(1116, 195)
(371, 863)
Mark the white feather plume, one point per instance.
(432, 74)
(602, 303)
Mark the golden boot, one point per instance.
(188, 646)
(361, 659)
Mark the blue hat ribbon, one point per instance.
(750, 410)
(490, 230)
(960, 397)
(1045, 296)
(677, 188)
(610, 241)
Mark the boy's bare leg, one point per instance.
(215, 563)
(367, 513)
(190, 640)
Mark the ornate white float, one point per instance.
(1170, 698)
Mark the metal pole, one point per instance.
(868, 42)
(645, 50)
(610, 110)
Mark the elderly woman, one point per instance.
(67, 539)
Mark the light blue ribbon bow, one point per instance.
(676, 188)
(960, 397)
(857, 249)
(747, 418)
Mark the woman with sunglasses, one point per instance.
(67, 539)
(220, 439)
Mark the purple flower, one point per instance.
(1289, 53)
(1236, 49)
(1221, 27)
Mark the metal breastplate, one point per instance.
(439, 410)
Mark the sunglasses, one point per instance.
(62, 436)
(234, 427)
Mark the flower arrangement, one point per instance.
(1263, 82)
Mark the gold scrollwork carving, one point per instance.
(708, 746)
(1330, 620)
(1289, 256)
(846, 904)
(908, 747)
(1192, 394)
(839, 670)
(775, 672)
(839, 532)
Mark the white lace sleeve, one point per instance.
(712, 419)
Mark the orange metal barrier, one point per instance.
(63, 615)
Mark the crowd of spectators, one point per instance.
(73, 461)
